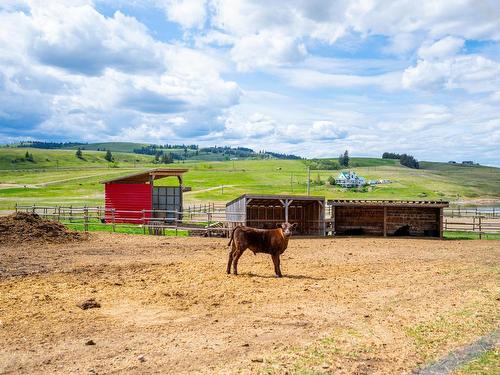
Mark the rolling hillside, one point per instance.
(59, 177)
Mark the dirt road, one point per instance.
(364, 306)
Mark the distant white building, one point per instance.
(349, 179)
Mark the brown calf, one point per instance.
(268, 241)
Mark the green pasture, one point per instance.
(59, 177)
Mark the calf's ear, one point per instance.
(295, 225)
(278, 225)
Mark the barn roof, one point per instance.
(385, 202)
(266, 198)
(145, 176)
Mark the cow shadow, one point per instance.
(285, 276)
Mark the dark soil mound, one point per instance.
(28, 227)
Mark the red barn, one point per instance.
(133, 198)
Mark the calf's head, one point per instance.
(288, 228)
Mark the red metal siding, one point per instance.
(127, 197)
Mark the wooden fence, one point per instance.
(472, 212)
(210, 219)
(201, 222)
(475, 224)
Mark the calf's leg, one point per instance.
(230, 260)
(236, 257)
(276, 261)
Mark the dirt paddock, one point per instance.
(347, 306)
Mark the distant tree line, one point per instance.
(409, 161)
(404, 159)
(154, 149)
(49, 145)
(239, 152)
(390, 155)
(278, 155)
(182, 151)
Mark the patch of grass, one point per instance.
(321, 356)
(462, 235)
(454, 329)
(487, 363)
(128, 229)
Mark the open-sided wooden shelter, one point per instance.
(266, 211)
(387, 217)
(133, 198)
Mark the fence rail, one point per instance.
(209, 222)
(459, 211)
(476, 224)
(210, 219)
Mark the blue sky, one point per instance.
(309, 77)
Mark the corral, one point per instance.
(266, 211)
(345, 305)
(387, 217)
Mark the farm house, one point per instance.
(133, 198)
(387, 217)
(266, 211)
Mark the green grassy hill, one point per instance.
(59, 177)
(14, 159)
(111, 146)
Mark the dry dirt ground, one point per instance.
(346, 306)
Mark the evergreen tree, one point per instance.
(409, 161)
(109, 156)
(29, 157)
(167, 158)
(79, 153)
(346, 158)
(158, 156)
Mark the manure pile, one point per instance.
(27, 227)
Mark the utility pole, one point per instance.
(308, 181)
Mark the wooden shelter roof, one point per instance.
(147, 176)
(385, 203)
(263, 199)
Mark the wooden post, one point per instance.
(308, 181)
(441, 222)
(143, 221)
(86, 219)
(480, 234)
(385, 221)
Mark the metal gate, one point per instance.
(169, 199)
